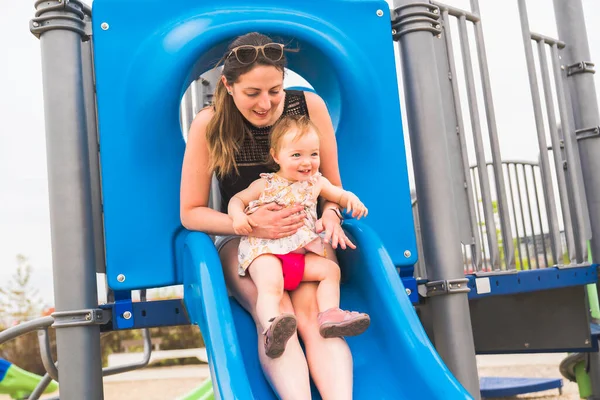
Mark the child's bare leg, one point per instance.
(327, 272)
(278, 328)
(333, 322)
(266, 274)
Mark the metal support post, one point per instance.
(60, 27)
(413, 26)
(576, 63)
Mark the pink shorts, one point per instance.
(292, 265)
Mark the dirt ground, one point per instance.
(171, 382)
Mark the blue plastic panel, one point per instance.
(507, 387)
(393, 359)
(533, 280)
(151, 314)
(152, 50)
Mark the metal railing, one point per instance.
(512, 214)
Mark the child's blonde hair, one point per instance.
(303, 126)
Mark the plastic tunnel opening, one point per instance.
(307, 69)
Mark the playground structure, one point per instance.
(19, 384)
(118, 115)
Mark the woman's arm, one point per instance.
(195, 183)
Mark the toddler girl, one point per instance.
(281, 264)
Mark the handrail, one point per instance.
(46, 353)
(25, 327)
(42, 324)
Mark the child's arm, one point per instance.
(242, 223)
(344, 198)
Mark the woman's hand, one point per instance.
(273, 221)
(334, 234)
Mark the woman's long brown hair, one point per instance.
(226, 130)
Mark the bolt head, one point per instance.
(408, 291)
(379, 13)
(35, 24)
(104, 26)
(407, 253)
(393, 31)
(127, 315)
(121, 278)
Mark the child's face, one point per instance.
(298, 159)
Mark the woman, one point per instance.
(232, 140)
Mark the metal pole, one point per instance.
(514, 210)
(539, 123)
(89, 93)
(577, 194)
(506, 229)
(517, 182)
(472, 205)
(539, 214)
(453, 334)
(558, 162)
(580, 79)
(60, 26)
(486, 194)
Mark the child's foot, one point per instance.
(276, 336)
(335, 322)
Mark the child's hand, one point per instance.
(355, 207)
(242, 225)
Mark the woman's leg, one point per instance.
(287, 374)
(329, 360)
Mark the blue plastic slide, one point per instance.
(394, 359)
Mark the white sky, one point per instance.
(24, 216)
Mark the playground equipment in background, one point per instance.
(18, 383)
(135, 210)
(202, 392)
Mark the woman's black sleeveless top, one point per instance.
(252, 157)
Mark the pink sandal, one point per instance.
(278, 333)
(336, 322)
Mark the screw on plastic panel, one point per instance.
(379, 13)
(104, 26)
(408, 291)
(127, 314)
(407, 253)
(121, 278)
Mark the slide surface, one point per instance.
(394, 359)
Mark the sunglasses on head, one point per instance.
(247, 54)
